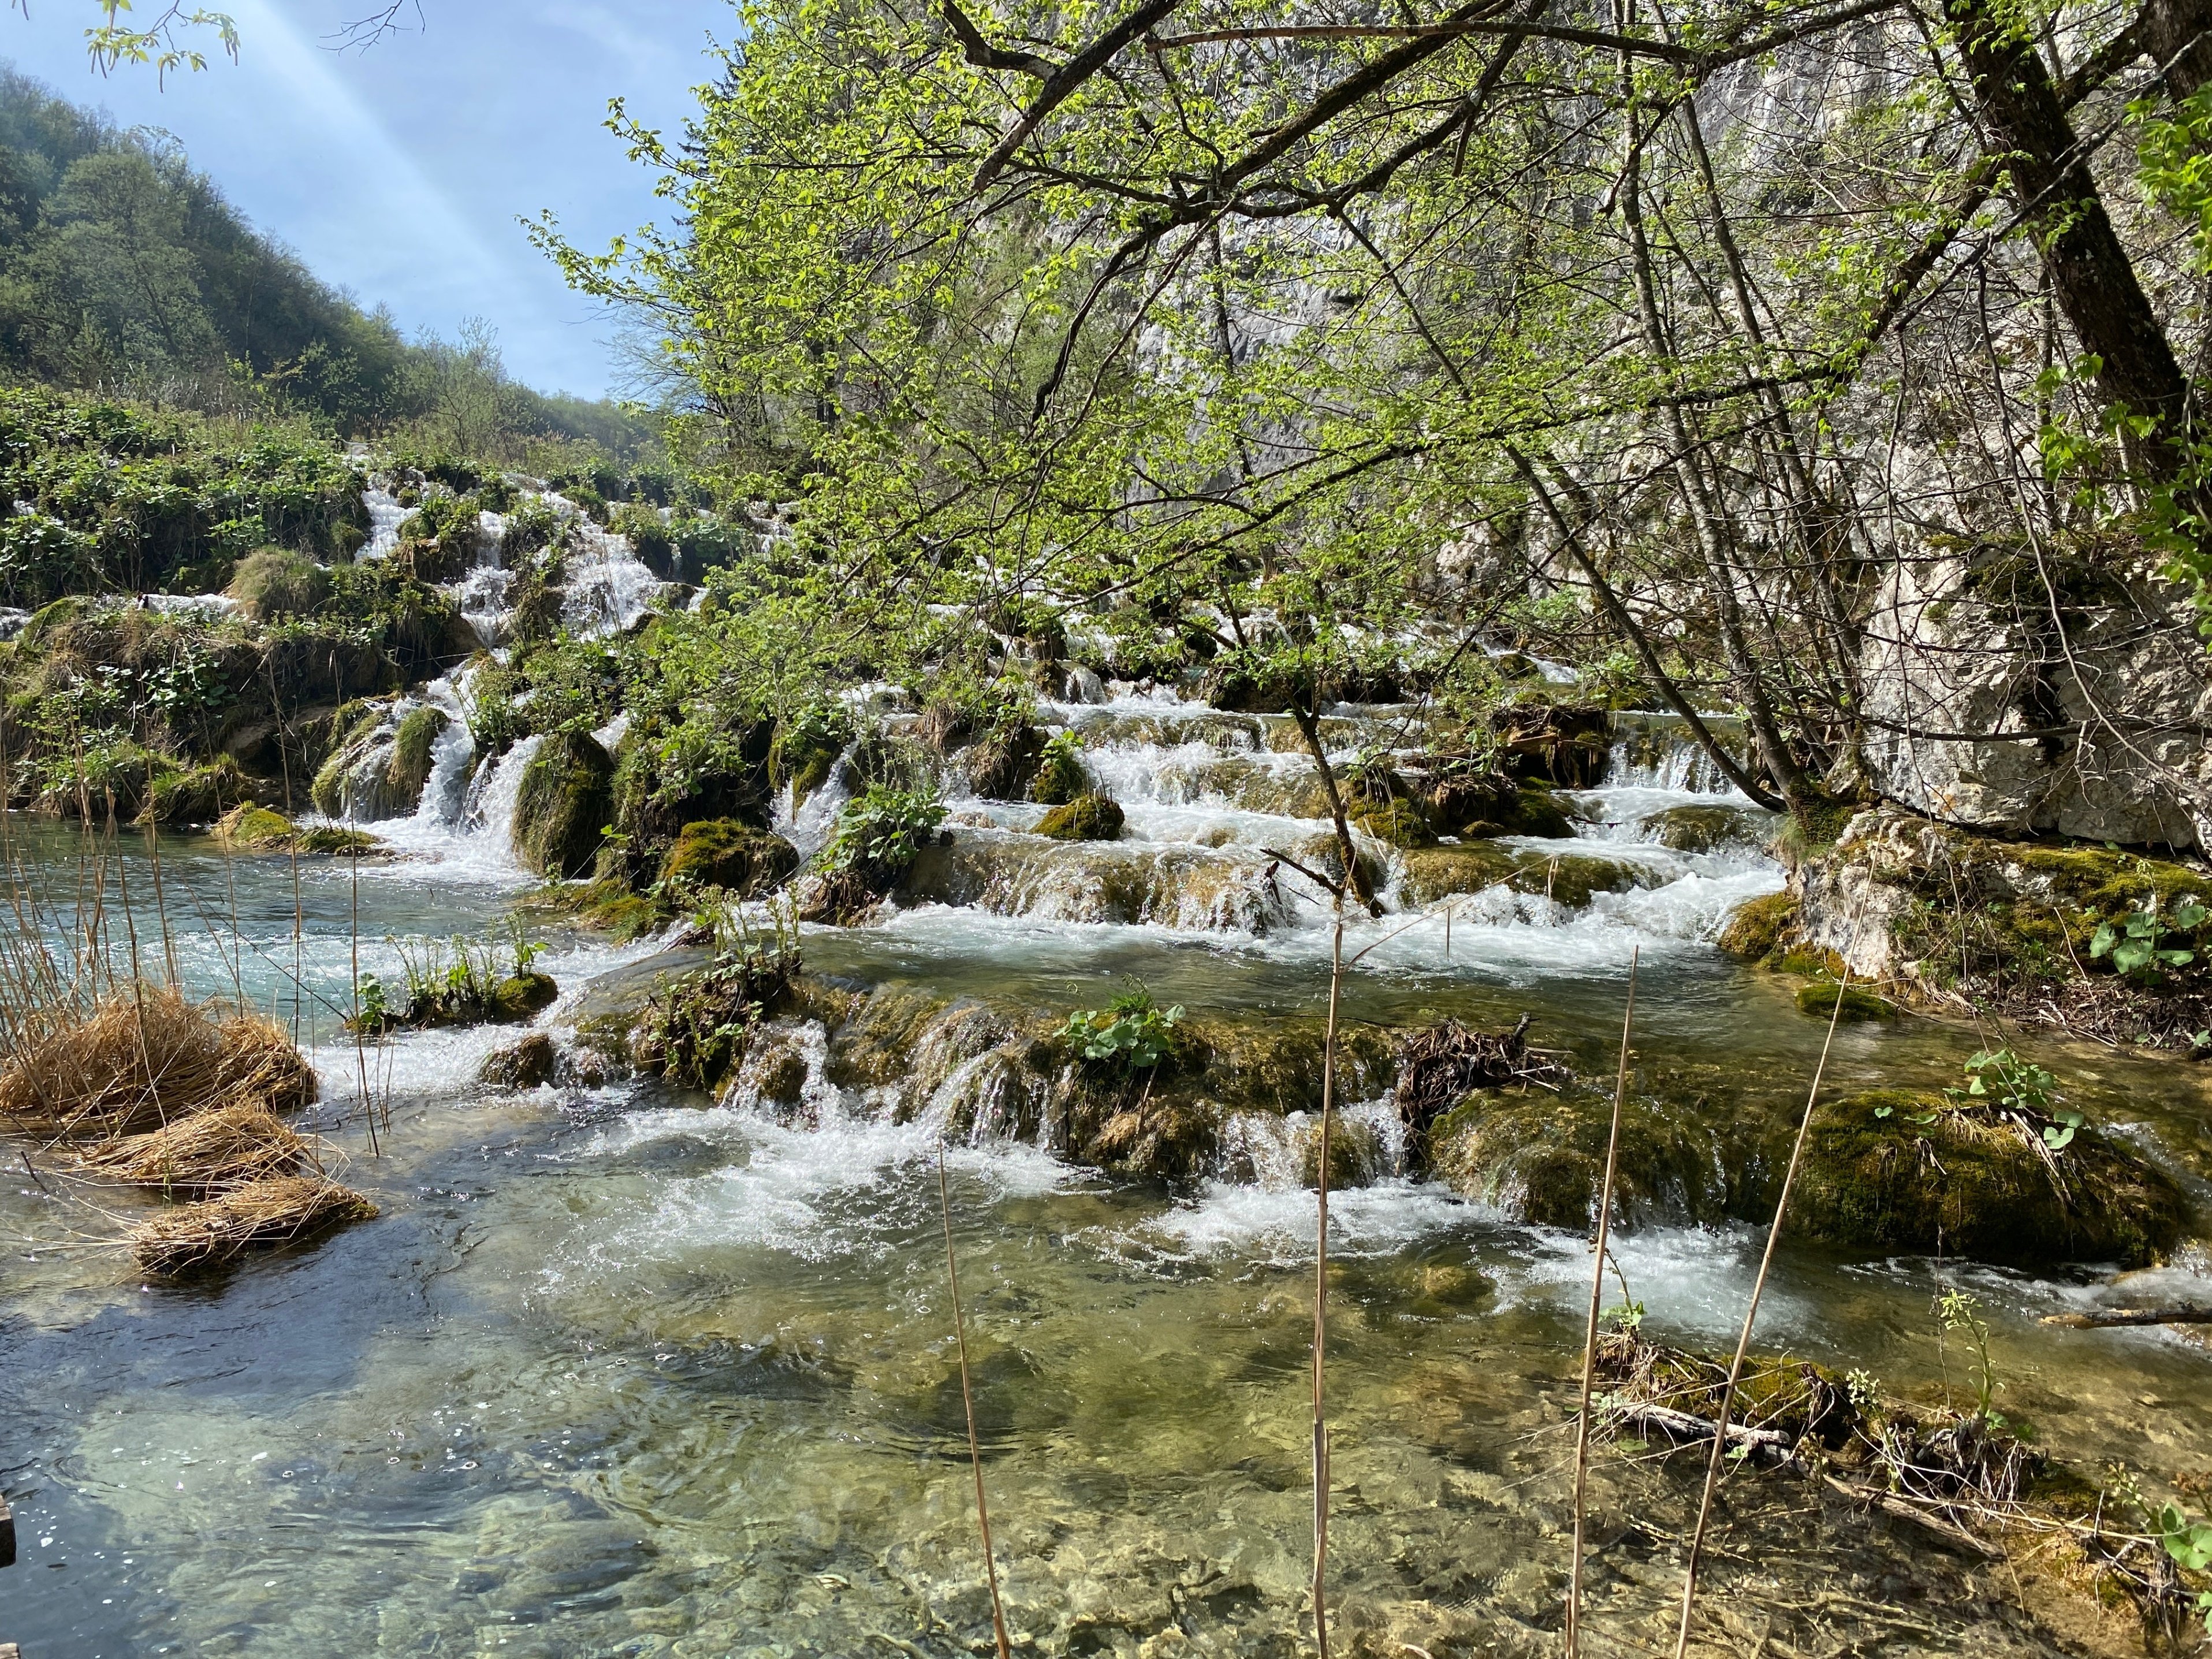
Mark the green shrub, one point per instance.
(1132, 1033)
(1060, 775)
(883, 831)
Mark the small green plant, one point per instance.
(2020, 1089)
(1132, 1031)
(1865, 1392)
(883, 830)
(371, 1007)
(1959, 1311)
(2189, 1545)
(2141, 943)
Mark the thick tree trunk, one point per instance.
(2177, 35)
(2091, 275)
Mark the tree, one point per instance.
(1195, 303)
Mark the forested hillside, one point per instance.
(125, 272)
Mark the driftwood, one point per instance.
(2187, 1314)
(1768, 1445)
(1437, 1068)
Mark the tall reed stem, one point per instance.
(1597, 1295)
(968, 1400)
(1750, 1315)
(1321, 1288)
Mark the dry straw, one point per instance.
(287, 1209)
(210, 1152)
(138, 1062)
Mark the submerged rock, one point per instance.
(1703, 829)
(1570, 879)
(566, 800)
(1896, 1170)
(1858, 1004)
(1161, 883)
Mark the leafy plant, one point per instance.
(1132, 1031)
(2141, 943)
(2021, 1090)
(885, 830)
(2189, 1545)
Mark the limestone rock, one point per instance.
(565, 802)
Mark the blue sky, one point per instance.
(398, 172)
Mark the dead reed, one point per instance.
(135, 1061)
(208, 1153)
(261, 1215)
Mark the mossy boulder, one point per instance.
(1758, 928)
(1858, 1004)
(1090, 817)
(1061, 777)
(1395, 823)
(1431, 873)
(1702, 829)
(1485, 804)
(199, 794)
(726, 854)
(524, 994)
(270, 584)
(1002, 764)
(1894, 1171)
(525, 1065)
(1540, 1157)
(564, 805)
(248, 825)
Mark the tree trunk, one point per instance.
(2091, 275)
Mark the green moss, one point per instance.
(726, 854)
(256, 826)
(328, 791)
(1858, 1004)
(1541, 1157)
(564, 805)
(1757, 928)
(1395, 823)
(1060, 775)
(328, 839)
(1898, 1170)
(199, 794)
(516, 999)
(1087, 817)
(1432, 873)
(271, 583)
(412, 748)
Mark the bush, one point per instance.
(271, 583)
(1060, 774)
(1132, 1033)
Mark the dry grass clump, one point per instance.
(262, 1215)
(139, 1061)
(209, 1152)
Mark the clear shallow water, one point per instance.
(620, 1373)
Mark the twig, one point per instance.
(1597, 1295)
(968, 1402)
(1320, 1290)
(1750, 1317)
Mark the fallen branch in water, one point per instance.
(2186, 1314)
(1687, 1428)
(1898, 1509)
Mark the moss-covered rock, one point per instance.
(1899, 1170)
(1541, 1157)
(1002, 764)
(524, 1065)
(564, 804)
(1431, 873)
(516, 999)
(1395, 823)
(249, 825)
(1476, 804)
(197, 794)
(1091, 817)
(1355, 1153)
(1060, 775)
(1758, 928)
(1859, 1005)
(726, 854)
(270, 584)
(1699, 827)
